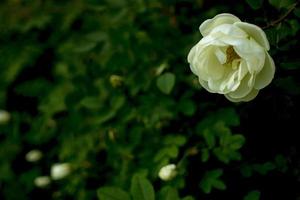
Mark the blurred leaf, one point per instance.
(169, 193)
(187, 107)
(264, 168)
(255, 4)
(297, 12)
(204, 155)
(253, 195)
(188, 198)
(209, 138)
(166, 82)
(55, 100)
(84, 46)
(33, 88)
(211, 180)
(112, 193)
(237, 141)
(227, 116)
(281, 3)
(91, 102)
(177, 140)
(97, 36)
(281, 163)
(141, 188)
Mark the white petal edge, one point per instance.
(253, 53)
(247, 98)
(255, 32)
(266, 75)
(204, 84)
(243, 90)
(224, 18)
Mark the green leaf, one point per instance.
(91, 102)
(33, 88)
(281, 163)
(187, 107)
(141, 188)
(205, 186)
(188, 198)
(177, 140)
(253, 195)
(281, 3)
(226, 154)
(264, 168)
(97, 36)
(84, 46)
(218, 184)
(237, 141)
(112, 193)
(169, 193)
(204, 155)
(211, 180)
(229, 116)
(215, 173)
(209, 138)
(297, 12)
(166, 82)
(255, 4)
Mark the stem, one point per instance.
(190, 152)
(283, 17)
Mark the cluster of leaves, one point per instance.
(104, 86)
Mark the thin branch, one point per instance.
(283, 17)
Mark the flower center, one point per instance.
(231, 55)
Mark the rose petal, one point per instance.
(242, 70)
(204, 84)
(255, 32)
(212, 40)
(266, 75)
(230, 30)
(243, 89)
(209, 24)
(214, 68)
(252, 53)
(221, 54)
(190, 59)
(249, 97)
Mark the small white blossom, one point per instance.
(34, 155)
(167, 172)
(60, 170)
(4, 116)
(42, 181)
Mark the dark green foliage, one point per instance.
(253, 195)
(105, 86)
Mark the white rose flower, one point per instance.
(167, 172)
(42, 181)
(60, 170)
(34, 155)
(232, 58)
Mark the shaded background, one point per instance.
(105, 86)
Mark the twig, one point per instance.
(280, 19)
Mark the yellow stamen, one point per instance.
(231, 55)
